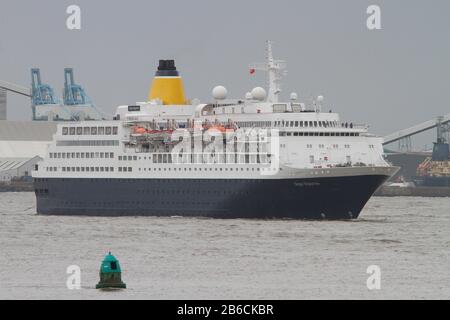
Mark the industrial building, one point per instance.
(15, 168)
(22, 145)
(2, 104)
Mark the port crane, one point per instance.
(45, 105)
(441, 123)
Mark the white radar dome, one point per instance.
(294, 96)
(219, 93)
(248, 96)
(320, 98)
(259, 93)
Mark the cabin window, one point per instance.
(94, 131)
(65, 131)
(79, 131)
(101, 130)
(72, 131)
(86, 131)
(108, 130)
(114, 130)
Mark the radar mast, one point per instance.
(276, 69)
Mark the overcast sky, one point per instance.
(389, 78)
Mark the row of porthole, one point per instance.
(210, 169)
(130, 169)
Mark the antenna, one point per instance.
(275, 69)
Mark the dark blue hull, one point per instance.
(319, 198)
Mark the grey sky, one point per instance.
(389, 78)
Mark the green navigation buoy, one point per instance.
(110, 274)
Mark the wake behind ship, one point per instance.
(254, 157)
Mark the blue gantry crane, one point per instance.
(41, 93)
(73, 94)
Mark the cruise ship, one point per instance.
(254, 157)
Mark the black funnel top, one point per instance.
(167, 68)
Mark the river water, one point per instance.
(190, 258)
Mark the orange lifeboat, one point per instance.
(219, 128)
(139, 130)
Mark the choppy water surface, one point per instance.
(179, 258)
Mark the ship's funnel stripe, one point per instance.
(167, 85)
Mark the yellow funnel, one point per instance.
(167, 84)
